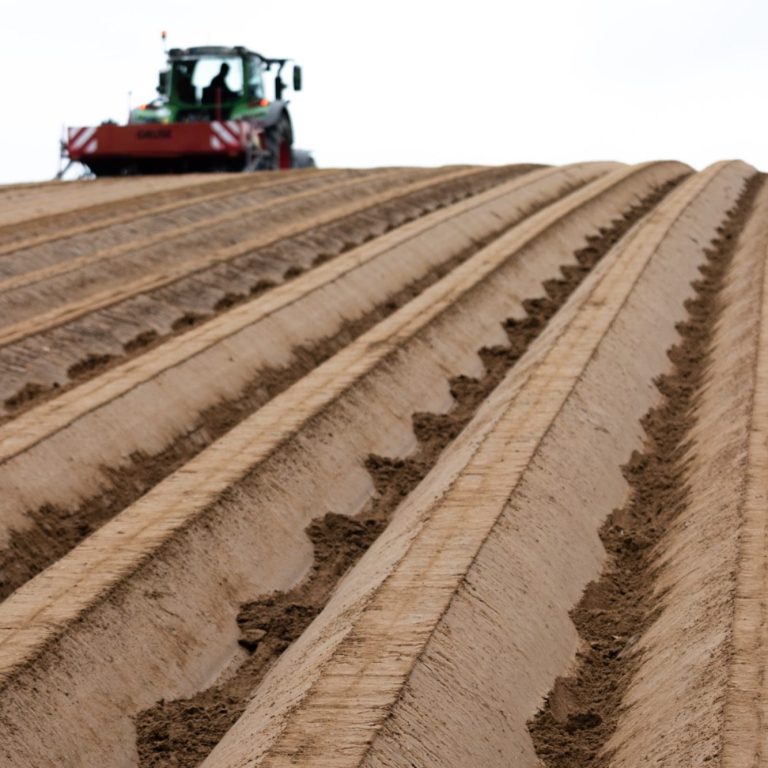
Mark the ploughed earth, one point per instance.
(394, 467)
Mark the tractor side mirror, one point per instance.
(296, 78)
(162, 82)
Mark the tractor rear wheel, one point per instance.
(279, 143)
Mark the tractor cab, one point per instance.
(211, 87)
(215, 83)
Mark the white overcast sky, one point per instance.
(416, 83)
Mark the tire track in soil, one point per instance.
(323, 238)
(118, 240)
(55, 228)
(55, 531)
(181, 733)
(46, 297)
(25, 207)
(581, 712)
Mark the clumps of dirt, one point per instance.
(55, 530)
(261, 286)
(581, 713)
(141, 341)
(180, 734)
(89, 365)
(34, 393)
(539, 311)
(186, 321)
(28, 394)
(229, 300)
(293, 271)
(394, 213)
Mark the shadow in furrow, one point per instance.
(182, 733)
(581, 713)
(328, 241)
(57, 530)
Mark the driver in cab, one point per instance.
(218, 90)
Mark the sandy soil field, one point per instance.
(447, 467)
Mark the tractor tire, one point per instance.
(280, 142)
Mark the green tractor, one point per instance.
(212, 113)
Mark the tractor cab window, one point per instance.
(255, 89)
(208, 80)
(181, 82)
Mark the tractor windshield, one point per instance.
(207, 80)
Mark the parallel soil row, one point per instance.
(56, 525)
(222, 234)
(706, 646)
(317, 416)
(143, 217)
(34, 237)
(375, 469)
(182, 733)
(421, 656)
(74, 342)
(581, 712)
(30, 207)
(56, 529)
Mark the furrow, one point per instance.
(175, 566)
(41, 365)
(438, 646)
(54, 229)
(182, 733)
(63, 249)
(681, 447)
(60, 204)
(223, 371)
(709, 565)
(197, 243)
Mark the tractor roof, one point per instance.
(211, 50)
(177, 54)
